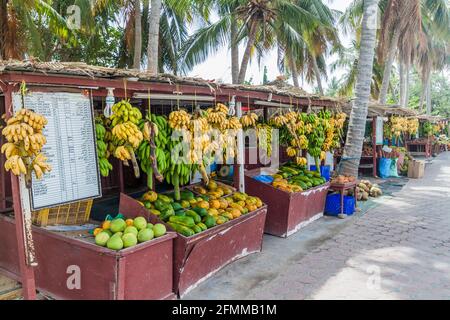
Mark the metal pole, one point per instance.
(25, 248)
(374, 146)
(241, 150)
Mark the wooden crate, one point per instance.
(69, 214)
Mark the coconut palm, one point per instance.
(137, 35)
(22, 22)
(357, 123)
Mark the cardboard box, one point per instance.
(416, 169)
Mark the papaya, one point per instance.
(209, 221)
(180, 213)
(151, 196)
(166, 214)
(161, 205)
(186, 195)
(202, 226)
(183, 230)
(200, 211)
(165, 198)
(193, 215)
(155, 212)
(229, 215)
(197, 229)
(176, 206)
(221, 220)
(185, 221)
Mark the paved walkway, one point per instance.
(398, 250)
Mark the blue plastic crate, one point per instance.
(264, 178)
(325, 171)
(333, 205)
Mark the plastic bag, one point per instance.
(394, 168)
(384, 168)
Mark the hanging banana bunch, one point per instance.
(25, 140)
(249, 120)
(126, 136)
(103, 153)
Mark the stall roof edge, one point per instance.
(278, 87)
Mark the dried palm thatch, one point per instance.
(278, 87)
(376, 109)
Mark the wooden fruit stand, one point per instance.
(130, 273)
(198, 257)
(140, 272)
(287, 212)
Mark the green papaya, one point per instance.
(185, 231)
(176, 206)
(202, 226)
(166, 214)
(185, 221)
(165, 198)
(200, 211)
(160, 205)
(194, 216)
(209, 221)
(196, 229)
(180, 213)
(186, 195)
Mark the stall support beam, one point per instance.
(26, 271)
(2, 180)
(241, 152)
(121, 178)
(374, 146)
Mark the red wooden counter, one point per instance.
(198, 257)
(287, 212)
(140, 272)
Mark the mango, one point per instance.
(129, 240)
(145, 235)
(159, 230)
(140, 223)
(118, 225)
(150, 196)
(131, 229)
(102, 238)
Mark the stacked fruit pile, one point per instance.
(294, 178)
(118, 233)
(25, 140)
(193, 214)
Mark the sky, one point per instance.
(218, 66)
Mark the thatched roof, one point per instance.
(84, 70)
(376, 109)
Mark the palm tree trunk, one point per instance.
(407, 84)
(423, 94)
(153, 36)
(317, 74)
(247, 52)
(429, 106)
(357, 125)
(3, 27)
(294, 71)
(234, 52)
(402, 83)
(388, 66)
(137, 34)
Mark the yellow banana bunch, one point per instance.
(399, 125)
(413, 126)
(122, 153)
(128, 132)
(216, 117)
(123, 111)
(25, 142)
(221, 108)
(279, 121)
(249, 120)
(234, 123)
(179, 120)
(292, 116)
(199, 125)
(302, 161)
(291, 152)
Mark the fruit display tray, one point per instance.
(198, 257)
(287, 212)
(71, 268)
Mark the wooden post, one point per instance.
(121, 178)
(241, 151)
(26, 270)
(374, 146)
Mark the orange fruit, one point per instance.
(106, 225)
(129, 222)
(214, 204)
(97, 231)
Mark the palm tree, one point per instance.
(21, 24)
(357, 123)
(137, 35)
(153, 36)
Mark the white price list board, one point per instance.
(70, 149)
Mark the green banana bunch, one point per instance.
(103, 147)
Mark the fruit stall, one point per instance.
(387, 125)
(429, 138)
(77, 138)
